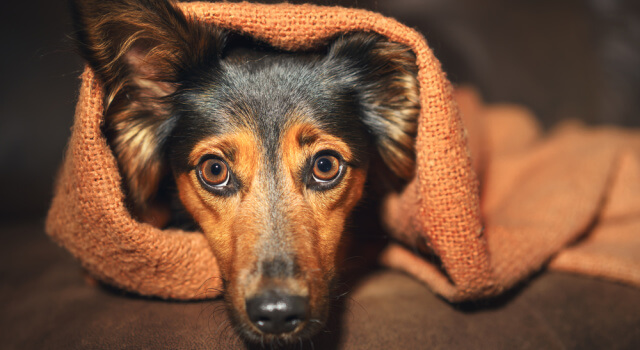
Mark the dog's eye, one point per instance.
(326, 168)
(214, 172)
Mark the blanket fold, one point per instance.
(492, 201)
(575, 187)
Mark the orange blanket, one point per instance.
(492, 201)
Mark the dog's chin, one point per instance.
(304, 332)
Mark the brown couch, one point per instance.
(48, 304)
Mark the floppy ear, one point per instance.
(140, 50)
(384, 74)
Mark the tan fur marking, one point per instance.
(315, 218)
(326, 211)
(217, 215)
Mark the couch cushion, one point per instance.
(47, 303)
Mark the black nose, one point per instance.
(276, 313)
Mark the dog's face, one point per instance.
(271, 169)
(268, 150)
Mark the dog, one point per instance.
(267, 151)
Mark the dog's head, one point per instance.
(268, 150)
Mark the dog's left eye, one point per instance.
(214, 172)
(326, 169)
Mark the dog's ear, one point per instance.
(384, 75)
(140, 50)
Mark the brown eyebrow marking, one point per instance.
(229, 146)
(305, 139)
(230, 154)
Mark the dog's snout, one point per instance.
(278, 268)
(277, 313)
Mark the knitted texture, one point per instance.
(538, 195)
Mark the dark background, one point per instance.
(563, 59)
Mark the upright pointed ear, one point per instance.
(140, 50)
(385, 77)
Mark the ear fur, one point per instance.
(140, 49)
(388, 89)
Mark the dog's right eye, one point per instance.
(213, 172)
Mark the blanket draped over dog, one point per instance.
(492, 202)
